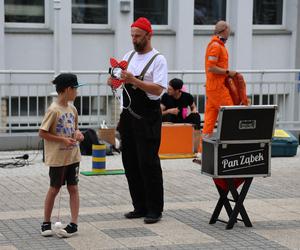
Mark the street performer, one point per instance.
(216, 68)
(217, 93)
(140, 123)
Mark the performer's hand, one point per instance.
(128, 76)
(232, 73)
(173, 111)
(109, 83)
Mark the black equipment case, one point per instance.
(241, 146)
(284, 143)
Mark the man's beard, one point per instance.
(139, 47)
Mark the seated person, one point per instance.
(174, 105)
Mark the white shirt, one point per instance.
(157, 72)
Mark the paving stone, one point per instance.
(190, 197)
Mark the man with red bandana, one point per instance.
(140, 123)
(216, 68)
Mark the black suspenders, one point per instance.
(141, 77)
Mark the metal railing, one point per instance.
(25, 96)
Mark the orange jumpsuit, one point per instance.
(216, 93)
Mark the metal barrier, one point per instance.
(25, 96)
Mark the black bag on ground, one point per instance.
(90, 138)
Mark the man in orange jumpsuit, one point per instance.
(216, 68)
(217, 94)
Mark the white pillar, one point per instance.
(297, 63)
(121, 18)
(2, 33)
(56, 7)
(121, 22)
(62, 35)
(298, 56)
(184, 27)
(292, 23)
(241, 23)
(2, 67)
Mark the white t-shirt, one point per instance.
(156, 73)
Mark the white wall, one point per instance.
(166, 46)
(183, 49)
(272, 52)
(29, 51)
(92, 52)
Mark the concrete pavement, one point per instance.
(273, 205)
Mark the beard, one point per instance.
(139, 47)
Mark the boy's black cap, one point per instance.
(66, 80)
(176, 83)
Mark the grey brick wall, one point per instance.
(3, 116)
(115, 111)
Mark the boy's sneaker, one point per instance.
(68, 231)
(46, 229)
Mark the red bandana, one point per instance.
(143, 23)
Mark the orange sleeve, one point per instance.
(213, 54)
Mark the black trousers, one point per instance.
(193, 118)
(140, 140)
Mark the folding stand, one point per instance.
(239, 151)
(238, 198)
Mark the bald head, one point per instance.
(222, 28)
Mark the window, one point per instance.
(24, 11)
(267, 12)
(90, 11)
(155, 10)
(209, 12)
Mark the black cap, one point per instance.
(65, 80)
(176, 83)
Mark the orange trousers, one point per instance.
(215, 99)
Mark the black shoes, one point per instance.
(46, 229)
(152, 218)
(68, 231)
(197, 161)
(135, 214)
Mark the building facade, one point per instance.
(81, 35)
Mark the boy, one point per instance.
(59, 129)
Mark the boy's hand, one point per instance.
(68, 141)
(78, 136)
